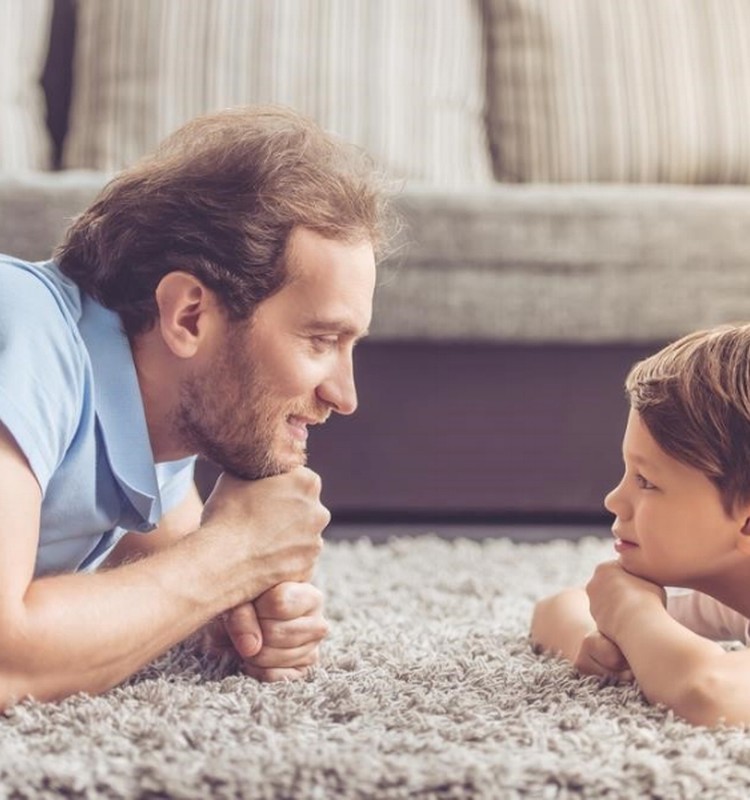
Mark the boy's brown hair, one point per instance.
(219, 199)
(694, 398)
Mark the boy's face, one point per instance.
(671, 526)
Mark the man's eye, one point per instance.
(322, 343)
(644, 483)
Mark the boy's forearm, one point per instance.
(561, 622)
(671, 664)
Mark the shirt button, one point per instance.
(145, 527)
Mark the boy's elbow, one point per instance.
(556, 614)
(709, 697)
(539, 624)
(9, 694)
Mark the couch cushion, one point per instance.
(609, 90)
(37, 207)
(24, 34)
(577, 263)
(402, 78)
(507, 263)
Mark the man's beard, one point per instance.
(224, 415)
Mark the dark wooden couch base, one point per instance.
(476, 431)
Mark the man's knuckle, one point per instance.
(310, 481)
(285, 607)
(245, 647)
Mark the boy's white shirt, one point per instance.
(706, 616)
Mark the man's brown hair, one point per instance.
(694, 398)
(219, 199)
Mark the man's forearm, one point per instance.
(88, 632)
(79, 632)
(174, 526)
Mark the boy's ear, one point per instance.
(186, 308)
(743, 543)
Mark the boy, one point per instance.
(682, 514)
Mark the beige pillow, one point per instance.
(402, 78)
(620, 90)
(24, 37)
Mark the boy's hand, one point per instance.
(277, 636)
(599, 655)
(616, 598)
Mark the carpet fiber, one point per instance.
(427, 689)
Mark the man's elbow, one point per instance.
(16, 661)
(12, 674)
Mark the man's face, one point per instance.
(288, 368)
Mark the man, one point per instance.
(208, 302)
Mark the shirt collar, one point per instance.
(119, 408)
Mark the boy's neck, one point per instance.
(731, 586)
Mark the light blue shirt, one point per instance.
(70, 398)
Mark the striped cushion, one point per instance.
(402, 78)
(24, 35)
(620, 90)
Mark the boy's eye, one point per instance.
(644, 483)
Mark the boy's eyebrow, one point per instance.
(638, 460)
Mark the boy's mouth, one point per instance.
(622, 544)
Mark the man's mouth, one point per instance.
(298, 425)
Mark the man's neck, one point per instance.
(158, 380)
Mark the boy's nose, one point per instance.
(615, 503)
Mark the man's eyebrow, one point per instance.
(335, 326)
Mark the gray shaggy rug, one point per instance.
(427, 689)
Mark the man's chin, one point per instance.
(269, 468)
(298, 459)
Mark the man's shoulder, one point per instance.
(37, 287)
(44, 373)
(39, 313)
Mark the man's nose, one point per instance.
(339, 391)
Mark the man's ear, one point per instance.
(186, 308)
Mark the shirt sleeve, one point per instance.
(42, 370)
(175, 478)
(706, 616)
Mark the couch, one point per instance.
(572, 179)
